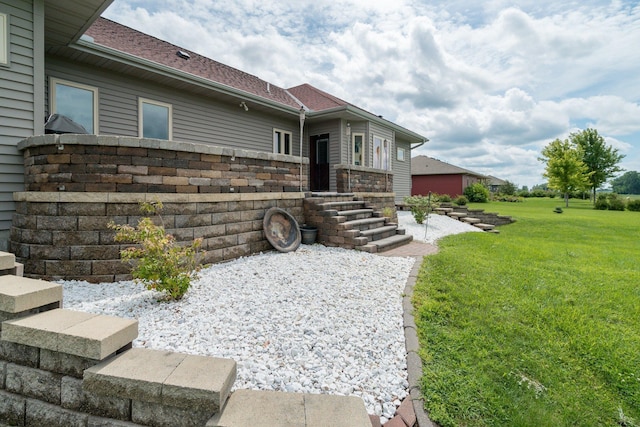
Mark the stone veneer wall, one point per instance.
(76, 184)
(363, 180)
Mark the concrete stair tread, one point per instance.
(485, 227)
(365, 221)
(387, 243)
(458, 215)
(470, 220)
(334, 205)
(164, 377)
(270, 408)
(443, 210)
(94, 336)
(378, 230)
(18, 294)
(7, 260)
(355, 212)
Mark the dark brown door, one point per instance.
(319, 162)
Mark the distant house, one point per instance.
(495, 183)
(432, 175)
(61, 57)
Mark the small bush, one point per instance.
(444, 198)
(420, 207)
(634, 205)
(388, 212)
(616, 204)
(461, 201)
(162, 264)
(477, 193)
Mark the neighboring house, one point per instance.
(495, 183)
(61, 57)
(432, 175)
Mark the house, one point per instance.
(140, 97)
(495, 183)
(433, 175)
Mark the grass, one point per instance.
(536, 326)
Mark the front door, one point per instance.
(319, 162)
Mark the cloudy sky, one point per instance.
(488, 82)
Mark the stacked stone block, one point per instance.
(358, 179)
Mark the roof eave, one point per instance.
(357, 113)
(147, 65)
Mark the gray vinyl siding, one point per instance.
(402, 171)
(195, 119)
(333, 128)
(21, 112)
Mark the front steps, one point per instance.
(486, 221)
(62, 367)
(344, 221)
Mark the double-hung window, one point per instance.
(77, 101)
(155, 119)
(282, 142)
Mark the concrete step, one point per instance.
(485, 227)
(356, 214)
(470, 220)
(364, 224)
(8, 265)
(347, 205)
(270, 408)
(21, 295)
(380, 232)
(443, 211)
(386, 244)
(162, 377)
(457, 215)
(94, 336)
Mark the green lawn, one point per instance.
(536, 326)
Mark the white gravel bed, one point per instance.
(317, 320)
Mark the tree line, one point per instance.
(579, 163)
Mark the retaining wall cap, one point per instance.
(19, 294)
(7, 260)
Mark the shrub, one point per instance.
(634, 205)
(461, 201)
(162, 264)
(524, 193)
(444, 198)
(388, 212)
(420, 207)
(615, 203)
(477, 193)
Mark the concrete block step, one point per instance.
(357, 213)
(347, 205)
(271, 408)
(163, 377)
(7, 260)
(20, 294)
(386, 244)
(443, 211)
(365, 224)
(457, 215)
(484, 227)
(94, 336)
(380, 232)
(470, 220)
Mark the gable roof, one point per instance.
(424, 165)
(315, 99)
(124, 39)
(496, 181)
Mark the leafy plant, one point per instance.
(420, 207)
(160, 263)
(388, 212)
(477, 192)
(634, 205)
(461, 201)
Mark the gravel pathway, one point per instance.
(317, 320)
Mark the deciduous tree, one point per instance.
(601, 160)
(564, 168)
(629, 183)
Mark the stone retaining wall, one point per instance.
(363, 180)
(65, 235)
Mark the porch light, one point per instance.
(302, 117)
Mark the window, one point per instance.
(400, 154)
(155, 119)
(381, 151)
(281, 142)
(76, 101)
(4, 39)
(357, 142)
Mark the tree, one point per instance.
(601, 160)
(508, 188)
(564, 168)
(629, 183)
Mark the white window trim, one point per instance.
(53, 81)
(353, 149)
(275, 146)
(398, 156)
(141, 116)
(4, 39)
